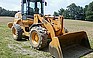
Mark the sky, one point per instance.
(52, 5)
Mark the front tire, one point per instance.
(38, 37)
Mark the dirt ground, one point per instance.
(6, 19)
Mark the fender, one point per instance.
(38, 24)
(10, 24)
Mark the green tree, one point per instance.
(89, 12)
(61, 11)
(75, 12)
(72, 10)
(4, 12)
(66, 14)
(55, 14)
(85, 10)
(80, 15)
(86, 7)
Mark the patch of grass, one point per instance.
(26, 46)
(5, 36)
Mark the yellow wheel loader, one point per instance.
(32, 22)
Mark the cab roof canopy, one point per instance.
(24, 1)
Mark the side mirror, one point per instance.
(45, 3)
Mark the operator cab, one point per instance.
(31, 7)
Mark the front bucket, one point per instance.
(74, 45)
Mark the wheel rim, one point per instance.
(35, 38)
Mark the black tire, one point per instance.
(42, 35)
(17, 32)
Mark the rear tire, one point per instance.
(38, 37)
(17, 32)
